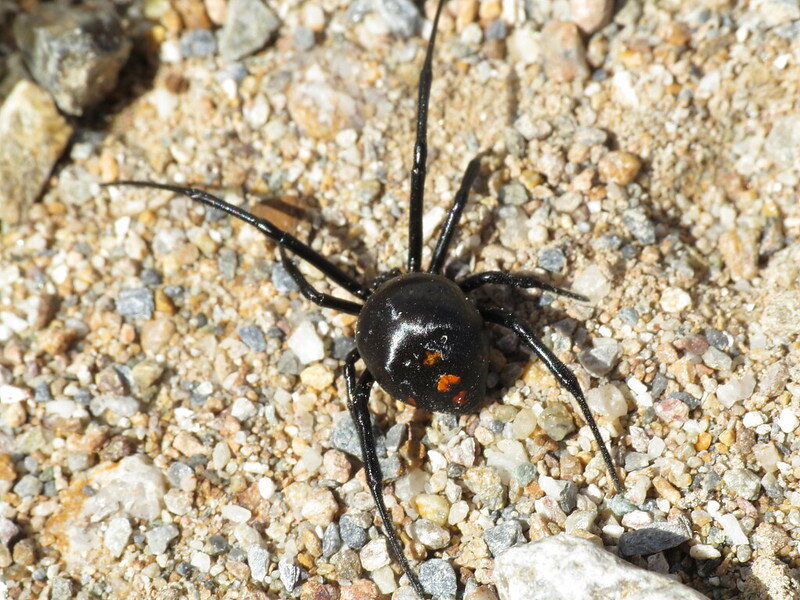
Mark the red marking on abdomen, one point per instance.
(446, 382)
(460, 398)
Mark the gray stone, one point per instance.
(28, 485)
(281, 279)
(135, 304)
(600, 359)
(303, 39)
(400, 16)
(253, 336)
(514, 193)
(564, 567)
(503, 536)
(159, 537)
(353, 534)
(656, 537)
(640, 225)
(552, 259)
(344, 437)
(438, 578)
(290, 574)
(74, 53)
(198, 43)
(34, 135)
(431, 535)
(63, 589)
(250, 25)
(331, 540)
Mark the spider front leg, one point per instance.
(561, 372)
(453, 217)
(516, 280)
(308, 291)
(358, 403)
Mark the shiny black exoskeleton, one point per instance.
(425, 343)
(419, 334)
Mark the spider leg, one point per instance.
(358, 403)
(418, 171)
(269, 229)
(561, 372)
(450, 225)
(521, 281)
(308, 291)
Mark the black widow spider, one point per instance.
(420, 336)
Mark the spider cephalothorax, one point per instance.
(420, 335)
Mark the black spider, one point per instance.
(418, 333)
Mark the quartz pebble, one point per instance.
(565, 566)
(159, 537)
(607, 401)
(675, 300)
(742, 483)
(306, 343)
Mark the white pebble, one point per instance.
(306, 343)
(752, 419)
(607, 401)
(674, 300)
(592, 283)
(9, 394)
(704, 552)
(235, 513)
(220, 456)
(736, 390)
(787, 420)
(733, 530)
(266, 487)
(243, 409)
(200, 561)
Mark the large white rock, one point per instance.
(564, 567)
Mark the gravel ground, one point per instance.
(173, 417)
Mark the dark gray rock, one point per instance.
(656, 537)
(504, 536)
(135, 304)
(74, 53)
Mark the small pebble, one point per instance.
(249, 26)
(640, 225)
(352, 533)
(742, 483)
(198, 43)
(431, 535)
(675, 300)
(552, 259)
(607, 401)
(563, 53)
(159, 537)
(258, 560)
(601, 358)
(438, 578)
(331, 540)
(654, 538)
(306, 343)
(622, 168)
(136, 303)
(556, 421)
(290, 574)
(375, 555)
(591, 15)
(253, 336)
(502, 537)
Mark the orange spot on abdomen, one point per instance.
(411, 401)
(446, 382)
(431, 358)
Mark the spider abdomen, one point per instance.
(425, 343)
